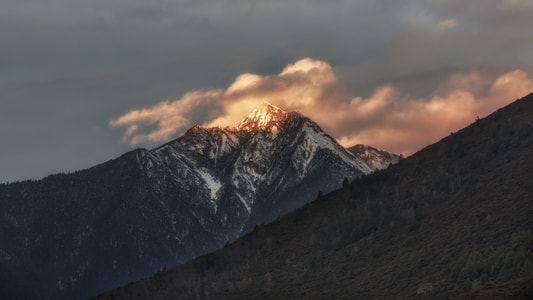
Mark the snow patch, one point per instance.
(324, 142)
(244, 203)
(212, 184)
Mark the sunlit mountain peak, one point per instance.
(267, 117)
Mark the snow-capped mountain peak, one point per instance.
(172, 203)
(266, 118)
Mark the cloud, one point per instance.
(404, 124)
(299, 86)
(111, 56)
(387, 119)
(519, 4)
(447, 24)
(170, 117)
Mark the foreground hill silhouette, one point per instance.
(454, 220)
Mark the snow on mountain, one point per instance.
(267, 118)
(375, 158)
(131, 216)
(246, 159)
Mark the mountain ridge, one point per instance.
(147, 209)
(375, 158)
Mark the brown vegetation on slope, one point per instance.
(454, 220)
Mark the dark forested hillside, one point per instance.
(454, 220)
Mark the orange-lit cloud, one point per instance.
(168, 117)
(518, 4)
(387, 119)
(404, 125)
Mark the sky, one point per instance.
(84, 81)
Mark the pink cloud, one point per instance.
(386, 119)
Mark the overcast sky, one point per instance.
(75, 75)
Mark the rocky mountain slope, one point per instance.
(75, 235)
(375, 158)
(453, 221)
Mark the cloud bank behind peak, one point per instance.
(388, 118)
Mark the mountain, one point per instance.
(452, 221)
(375, 158)
(76, 235)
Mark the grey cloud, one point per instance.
(149, 13)
(136, 53)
